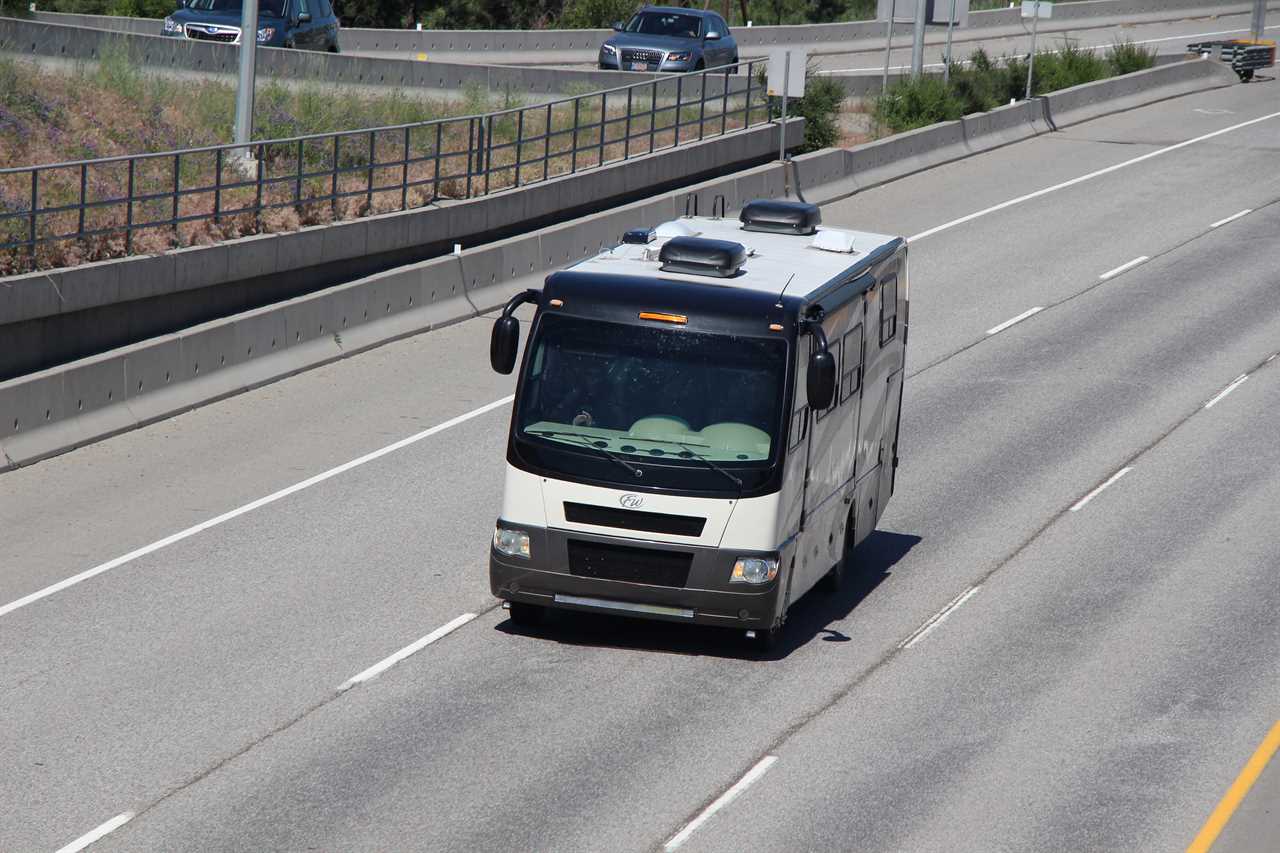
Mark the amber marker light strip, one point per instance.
(679, 319)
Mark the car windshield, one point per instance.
(270, 8)
(665, 24)
(655, 395)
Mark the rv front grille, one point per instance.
(626, 519)
(633, 565)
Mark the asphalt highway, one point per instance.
(1063, 636)
(865, 56)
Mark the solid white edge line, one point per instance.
(1093, 494)
(1232, 218)
(1235, 383)
(1123, 267)
(760, 768)
(938, 618)
(95, 834)
(965, 62)
(411, 649)
(1088, 177)
(1030, 312)
(249, 507)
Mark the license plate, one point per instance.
(639, 66)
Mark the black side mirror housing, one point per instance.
(820, 381)
(504, 343)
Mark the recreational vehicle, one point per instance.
(705, 421)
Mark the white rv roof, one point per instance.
(772, 258)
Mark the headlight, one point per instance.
(172, 26)
(679, 57)
(608, 49)
(513, 543)
(754, 570)
(266, 33)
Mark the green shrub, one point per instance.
(917, 102)
(1068, 66)
(820, 107)
(1125, 57)
(588, 14)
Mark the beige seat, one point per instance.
(740, 438)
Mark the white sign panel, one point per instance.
(793, 84)
(940, 10)
(1029, 9)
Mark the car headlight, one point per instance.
(608, 49)
(684, 56)
(513, 543)
(754, 570)
(266, 33)
(172, 26)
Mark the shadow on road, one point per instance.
(809, 618)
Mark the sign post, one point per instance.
(888, 45)
(1259, 19)
(786, 80)
(1034, 9)
(917, 43)
(244, 92)
(946, 66)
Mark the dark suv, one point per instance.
(663, 38)
(304, 24)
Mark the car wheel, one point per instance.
(527, 615)
(701, 66)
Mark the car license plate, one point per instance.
(639, 66)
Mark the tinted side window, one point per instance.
(322, 9)
(721, 26)
(888, 310)
(302, 6)
(799, 429)
(851, 374)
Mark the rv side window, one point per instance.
(799, 426)
(888, 310)
(851, 376)
(800, 417)
(834, 348)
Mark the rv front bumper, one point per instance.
(548, 577)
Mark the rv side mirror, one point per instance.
(821, 380)
(504, 343)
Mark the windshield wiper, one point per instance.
(696, 455)
(631, 469)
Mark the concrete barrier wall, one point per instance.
(61, 408)
(54, 316)
(812, 35)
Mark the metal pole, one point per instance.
(1259, 19)
(951, 22)
(917, 46)
(1031, 62)
(248, 51)
(888, 45)
(782, 128)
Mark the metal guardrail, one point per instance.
(105, 205)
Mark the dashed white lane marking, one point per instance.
(1232, 218)
(411, 649)
(1141, 259)
(1235, 383)
(1079, 505)
(1090, 176)
(761, 767)
(98, 833)
(249, 507)
(1007, 323)
(938, 618)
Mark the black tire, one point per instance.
(701, 66)
(834, 579)
(527, 615)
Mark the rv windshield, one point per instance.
(653, 395)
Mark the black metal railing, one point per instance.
(150, 202)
